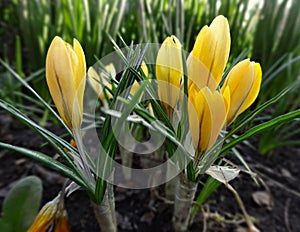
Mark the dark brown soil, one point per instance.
(141, 210)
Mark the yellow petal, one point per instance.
(226, 96)
(59, 76)
(145, 69)
(110, 68)
(45, 217)
(79, 73)
(254, 89)
(195, 115)
(134, 88)
(207, 114)
(65, 75)
(211, 50)
(217, 110)
(243, 82)
(62, 224)
(52, 214)
(98, 82)
(169, 72)
(150, 109)
(81, 68)
(94, 81)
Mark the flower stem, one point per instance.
(184, 196)
(126, 157)
(105, 212)
(170, 186)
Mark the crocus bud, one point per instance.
(207, 114)
(65, 75)
(101, 81)
(169, 72)
(210, 53)
(52, 214)
(144, 69)
(241, 87)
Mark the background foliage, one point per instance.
(266, 32)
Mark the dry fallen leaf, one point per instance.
(262, 199)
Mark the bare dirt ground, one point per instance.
(274, 206)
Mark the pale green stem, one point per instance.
(87, 174)
(184, 196)
(105, 212)
(170, 186)
(126, 158)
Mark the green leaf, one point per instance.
(39, 98)
(4, 226)
(22, 203)
(49, 162)
(261, 127)
(209, 187)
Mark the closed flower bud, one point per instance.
(65, 75)
(210, 53)
(207, 114)
(52, 215)
(169, 72)
(101, 81)
(241, 87)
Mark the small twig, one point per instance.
(220, 218)
(278, 184)
(286, 215)
(204, 219)
(165, 200)
(271, 171)
(251, 226)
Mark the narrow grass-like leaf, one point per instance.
(47, 161)
(259, 128)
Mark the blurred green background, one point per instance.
(266, 31)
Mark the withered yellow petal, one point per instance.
(45, 217)
(62, 223)
(211, 50)
(52, 214)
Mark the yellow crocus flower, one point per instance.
(207, 114)
(210, 53)
(65, 75)
(135, 86)
(169, 72)
(241, 88)
(51, 215)
(98, 82)
(145, 69)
